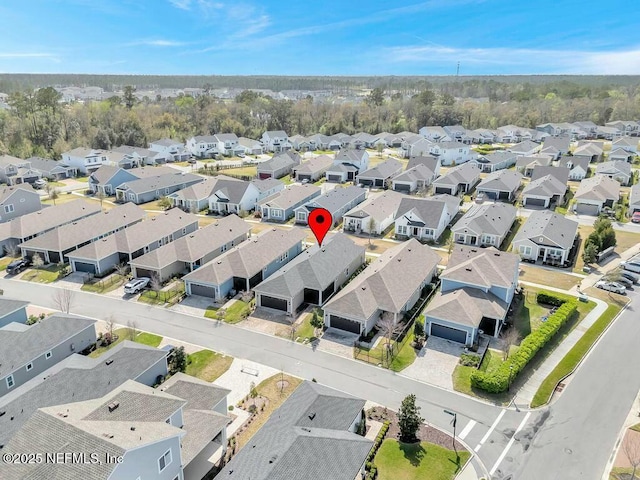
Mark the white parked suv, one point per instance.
(632, 265)
(614, 287)
(136, 285)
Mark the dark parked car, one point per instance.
(18, 265)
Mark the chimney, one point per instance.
(113, 405)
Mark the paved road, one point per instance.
(489, 432)
(576, 440)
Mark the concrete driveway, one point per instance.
(337, 342)
(435, 362)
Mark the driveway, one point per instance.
(337, 342)
(193, 305)
(239, 377)
(435, 362)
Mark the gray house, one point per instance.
(29, 350)
(617, 169)
(191, 251)
(52, 169)
(33, 224)
(578, 167)
(526, 164)
(313, 419)
(54, 245)
(220, 194)
(475, 293)
(495, 161)
(152, 188)
(379, 175)
(109, 177)
(347, 164)
(359, 306)
(500, 185)
(461, 178)
(280, 206)
(595, 193)
(374, 215)
(313, 169)
(546, 237)
(559, 144)
(634, 199)
(245, 266)
(101, 257)
(425, 218)
(12, 311)
(14, 170)
(548, 186)
(337, 201)
(485, 225)
(415, 178)
(18, 200)
(280, 165)
(312, 277)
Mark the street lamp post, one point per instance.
(453, 422)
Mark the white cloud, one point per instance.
(181, 4)
(521, 60)
(156, 43)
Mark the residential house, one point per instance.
(546, 237)
(435, 134)
(374, 215)
(18, 200)
(590, 128)
(512, 134)
(414, 145)
(203, 146)
(251, 147)
(525, 148)
(500, 185)
(171, 150)
(380, 175)
(617, 169)
(220, 194)
(459, 179)
(476, 291)
(85, 160)
(378, 292)
(595, 193)
(547, 187)
(609, 133)
(485, 225)
(191, 251)
(267, 187)
(560, 144)
(425, 218)
(51, 169)
(78, 378)
(413, 179)
(363, 140)
(275, 141)
(227, 144)
(578, 167)
(307, 423)
(634, 199)
(280, 206)
(620, 154)
(626, 143)
(107, 178)
(101, 257)
(591, 150)
(526, 164)
(347, 165)
(482, 136)
(551, 151)
(137, 156)
(557, 129)
(12, 311)
(451, 153)
(148, 189)
(457, 133)
(29, 350)
(300, 143)
(336, 201)
(324, 142)
(279, 166)
(312, 277)
(246, 265)
(495, 161)
(14, 171)
(431, 162)
(313, 169)
(54, 245)
(627, 127)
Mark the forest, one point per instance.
(37, 123)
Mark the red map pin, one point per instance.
(320, 221)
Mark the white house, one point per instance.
(203, 146)
(451, 153)
(425, 218)
(85, 160)
(275, 141)
(172, 150)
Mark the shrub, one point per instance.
(549, 299)
(469, 360)
(231, 408)
(498, 380)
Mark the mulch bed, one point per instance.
(425, 434)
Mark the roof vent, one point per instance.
(107, 435)
(468, 269)
(474, 250)
(312, 415)
(133, 429)
(496, 254)
(113, 405)
(109, 362)
(273, 459)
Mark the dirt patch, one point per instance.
(425, 434)
(282, 384)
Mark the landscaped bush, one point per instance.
(469, 360)
(376, 445)
(497, 381)
(549, 299)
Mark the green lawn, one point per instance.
(574, 356)
(82, 179)
(233, 314)
(405, 357)
(320, 181)
(148, 339)
(423, 461)
(126, 334)
(462, 377)
(506, 244)
(249, 171)
(305, 330)
(207, 365)
(163, 296)
(4, 261)
(102, 286)
(287, 180)
(46, 274)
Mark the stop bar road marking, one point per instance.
(490, 431)
(513, 439)
(465, 431)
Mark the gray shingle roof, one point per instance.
(314, 268)
(560, 143)
(545, 186)
(335, 199)
(129, 150)
(378, 206)
(419, 172)
(9, 305)
(496, 158)
(465, 173)
(574, 161)
(166, 142)
(7, 190)
(135, 406)
(249, 257)
(428, 161)
(525, 146)
(160, 182)
(279, 161)
(533, 160)
(429, 210)
(485, 267)
(19, 348)
(291, 196)
(502, 180)
(543, 223)
(45, 164)
(559, 173)
(200, 395)
(349, 156)
(598, 187)
(86, 229)
(306, 438)
(466, 306)
(315, 164)
(384, 170)
(490, 218)
(377, 287)
(201, 427)
(614, 167)
(634, 196)
(229, 188)
(196, 245)
(266, 184)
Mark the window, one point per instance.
(283, 257)
(301, 216)
(10, 382)
(184, 231)
(525, 250)
(47, 355)
(164, 461)
(402, 230)
(223, 248)
(29, 366)
(8, 208)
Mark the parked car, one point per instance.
(628, 275)
(622, 280)
(192, 161)
(40, 183)
(632, 265)
(305, 181)
(18, 265)
(480, 197)
(241, 155)
(136, 285)
(635, 218)
(611, 287)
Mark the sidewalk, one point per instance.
(612, 264)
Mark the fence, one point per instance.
(104, 283)
(172, 295)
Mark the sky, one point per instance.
(347, 37)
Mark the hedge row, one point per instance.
(497, 381)
(549, 299)
(372, 470)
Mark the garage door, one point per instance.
(272, 302)
(444, 190)
(85, 267)
(503, 196)
(586, 209)
(534, 202)
(203, 290)
(344, 324)
(335, 178)
(491, 195)
(304, 177)
(402, 187)
(264, 176)
(449, 333)
(143, 272)
(366, 182)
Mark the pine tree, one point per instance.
(409, 419)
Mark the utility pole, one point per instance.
(458, 70)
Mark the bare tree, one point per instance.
(37, 261)
(631, 448)
(510, 337)
(155, 284)
(122, 269)
(12, 250)
(63, 299)
(100, 195)
(371, 226)
(133, 330)
(389, 328)
(52, 192)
